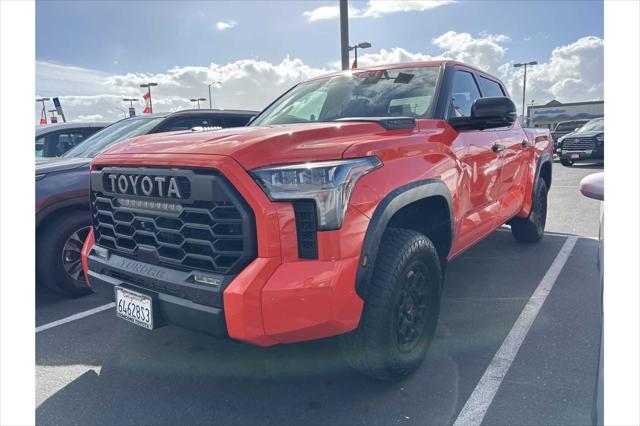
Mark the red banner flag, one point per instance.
(147, 108)
(43, 117)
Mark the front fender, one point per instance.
(388, 206)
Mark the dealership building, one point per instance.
(550, 114)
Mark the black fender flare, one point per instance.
(545, 157)
(388, 206)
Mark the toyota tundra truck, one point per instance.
(334, 213)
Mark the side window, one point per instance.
(58, 143)
(185, 123)
(235, 121)
(39, 147)
(491, 88)
(464, 92)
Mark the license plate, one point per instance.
(137, 308)
(574, 156)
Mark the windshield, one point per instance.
(379, 93)
(596, 125)
(119, 131)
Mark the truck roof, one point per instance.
(415, 64)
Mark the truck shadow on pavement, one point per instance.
(101, 370)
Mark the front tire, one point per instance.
(58, 264)
(531, 229)
(401, 310)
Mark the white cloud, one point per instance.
(91, 117)
(322, 13)
(246, 84)
(375, 9)
(391, 56)
(572, 73)
(485, 51)
(222, 25)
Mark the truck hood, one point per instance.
(260, 146)
(51, 165)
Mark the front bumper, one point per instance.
(578, 156)
(169, 308)
(278, 297)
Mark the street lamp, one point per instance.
(211, 84)
(43, 114)
(148, 86)
(130, 100)
(524, 85)
(132, 111)
(363, 45)
(198, 100)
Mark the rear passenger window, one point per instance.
(235, 121)
(464, 92)
(186, 123)
(491, 88)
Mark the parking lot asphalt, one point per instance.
(101, 370)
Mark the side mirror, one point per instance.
(592, 186)
(487, 113)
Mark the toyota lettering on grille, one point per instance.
(158, 186)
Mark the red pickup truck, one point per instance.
(334, 213)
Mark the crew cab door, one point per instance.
(479, 188)
(515, 154)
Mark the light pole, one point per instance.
(132, 111)
(130, 100)
(524, 85)
(44, 109)
(344, 34)
(198, 100)
(211, 84)
(148, 86)
(363, 45)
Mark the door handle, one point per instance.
(497, 147)
(526, 143)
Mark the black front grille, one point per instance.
(578, 144)
(306, 229)
(214, 231)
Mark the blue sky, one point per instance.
(148, 36)
(91, 53)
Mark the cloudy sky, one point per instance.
(91, 54)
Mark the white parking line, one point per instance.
(478, 403)
(74, 317)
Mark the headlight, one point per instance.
(328, 183)
(600, 138)
(38, 177)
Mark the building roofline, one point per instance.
(567, 104)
